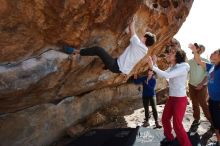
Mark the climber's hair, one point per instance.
(180, 56)
(150, 39)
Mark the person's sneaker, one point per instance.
(69, 49)
(195, 125)
(214, 144)
(157, 125)
(166, 142)
(211, 131)
(146, 124)
(195, 122)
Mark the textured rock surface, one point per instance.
(35, 74)
(42, 124)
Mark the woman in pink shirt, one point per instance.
(176, 105)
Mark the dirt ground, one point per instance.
(130, 113)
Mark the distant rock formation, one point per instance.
(45, 91)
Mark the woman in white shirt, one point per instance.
(176, 105)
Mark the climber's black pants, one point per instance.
(110, 63)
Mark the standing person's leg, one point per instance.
(166, 117)
(153, 102)
(146, 110)
(214, 107)
(195, 103)
(217, 132)
(203, 95)
(109, 62)
(179, 105)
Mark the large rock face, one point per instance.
(42, 124)
(35, 74)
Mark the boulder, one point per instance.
(46, 90)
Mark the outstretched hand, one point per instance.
(150, 62)
(132, 26)
(197, 56)
(192, 47)
(132, 20)
(154, 58)
(135, 76)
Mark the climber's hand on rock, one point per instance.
(154, 58)
(150, 62)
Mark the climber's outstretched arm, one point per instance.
(132, 27)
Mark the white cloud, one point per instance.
(201, 26)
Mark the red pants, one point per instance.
(175, 108)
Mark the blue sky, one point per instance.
(202, 26)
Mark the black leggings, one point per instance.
(153, 103)
(214, 108)
(110, 63)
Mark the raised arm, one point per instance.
(139, 80)
(132, 27)
(197, 56)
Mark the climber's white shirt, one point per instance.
(132, 55)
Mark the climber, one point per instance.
(136, 50)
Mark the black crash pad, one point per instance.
(139, 136)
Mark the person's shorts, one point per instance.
(214, 107)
